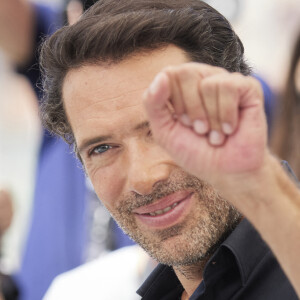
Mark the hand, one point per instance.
(234, 158)
(211, 122)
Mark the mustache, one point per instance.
(161, 190)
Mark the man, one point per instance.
(169, 193)
(23, 26)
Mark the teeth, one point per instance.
(167, 209)
(158, 212)
(162, 211)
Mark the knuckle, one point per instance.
(227, 84)
(208, 85)
(184, 73)
(170, 70)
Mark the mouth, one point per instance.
(162, 211)
(166, 211)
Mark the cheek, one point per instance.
(109, 185)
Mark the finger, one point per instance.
(185, 96)
(176, 97)
(209, 92)
(205, 70)
(237, 92)
(156, 100)
(250, 92)
(188, 82)
(229, 102)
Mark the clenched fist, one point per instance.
(211, 122)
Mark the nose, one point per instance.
(148, 165)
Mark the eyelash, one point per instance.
(108, 147)
(93, 151)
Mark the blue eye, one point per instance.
(100, 149)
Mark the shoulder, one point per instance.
(110, 276)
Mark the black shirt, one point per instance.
(242, 268)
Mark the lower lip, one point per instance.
(170, 218)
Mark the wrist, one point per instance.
(270, 199)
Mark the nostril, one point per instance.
(144, 183)
(147, 167)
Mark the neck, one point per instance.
(190, 277)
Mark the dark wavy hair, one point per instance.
(112, 30)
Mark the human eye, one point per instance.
(100, 149)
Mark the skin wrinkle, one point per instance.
(122, 108)
(144, 125)
(112, 99)
(91, 119)
(105, 67)
(210, 229)
(116, 99)
(139, 172)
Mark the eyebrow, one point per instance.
(99, 139)
(89, 142)
(142, 125)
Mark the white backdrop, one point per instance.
(267, 29)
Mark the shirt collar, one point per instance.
(161, 282)
(246, 249)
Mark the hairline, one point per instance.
(111, 62)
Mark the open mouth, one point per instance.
(166, 211)
(162, 211)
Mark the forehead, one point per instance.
(103, 96)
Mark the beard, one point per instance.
(191, 241)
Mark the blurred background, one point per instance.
(49, 226)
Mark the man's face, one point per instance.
(174, 216)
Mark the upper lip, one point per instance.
(162, 203)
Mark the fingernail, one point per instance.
(215, 137)
(154, 86)
(227, 128)
(185, 120)
(200, 127)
